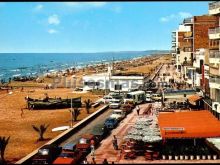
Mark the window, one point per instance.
(118, 87)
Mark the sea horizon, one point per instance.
(36, 64)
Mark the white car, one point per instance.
(114, 104)
(118, 114)
(106, 99)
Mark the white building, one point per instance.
(112, 82)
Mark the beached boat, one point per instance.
(53, 103)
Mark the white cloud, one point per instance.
(38, 7)
(54, 20)
(85, 4)
(52, 31)
(185, 14)
(180, 15)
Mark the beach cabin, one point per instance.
(113, 82)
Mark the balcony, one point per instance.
(214, 33)
(214, 8)
(188, 35)
(213, 70)
(214, 45)
(188, 21)
(187, 49)
(214, 82)
(214, 57)
(186, 44)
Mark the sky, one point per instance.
(71, 27)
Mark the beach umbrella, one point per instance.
(134, 131)
(134, 137)
(151, 139)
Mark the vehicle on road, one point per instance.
(46, 154)
(111, 123)
(69, 155)
(137, 97)
(118, 114)
(84, 142)
(100, 131)
(156, 97)
(115, 104)
(127, 108)
(148, 96)
(106, 99)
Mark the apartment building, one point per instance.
(192, 38)
(214, 58)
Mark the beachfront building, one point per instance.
(214, 58)
(201, 65)
(192, 35)
(120, 82)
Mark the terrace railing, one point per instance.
(214, 54)
(214, 30)
(188, 20)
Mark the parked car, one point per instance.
(156, 97)
(118, 114)
(106, 99)
(114, 104)
(46, 154)
(84, 142)
(100, 131)
(127, 108)
(69, 155)
(149, 96)
(111, 123)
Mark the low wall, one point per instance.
(65, 135)
(157, 72)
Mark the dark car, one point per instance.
(46, 154)
(100, 131)
(111, 123)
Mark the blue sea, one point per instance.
(35, 64)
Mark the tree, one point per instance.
(41, 130)
(3, 144)
(88, 105)
(76, 112)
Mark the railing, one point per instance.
(214, 54)
(188, 20)
(214, 80)
(214, 30)
(213, 70)
(214, 5)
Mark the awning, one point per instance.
(190, 124)
(194, 98)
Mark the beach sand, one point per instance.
(19, 128)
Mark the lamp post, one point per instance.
(71, 112)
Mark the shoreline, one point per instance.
(78, 67)
(88, 69)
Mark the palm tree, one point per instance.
(76, 112)
(41, 130)
(3, 144)
(88, 105)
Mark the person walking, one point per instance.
(92, 150)
(93, 161)
(85, 161)
(115, 142)
(138, 109)
(105, 161)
